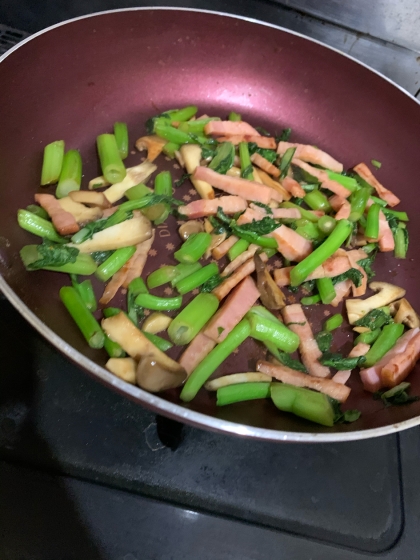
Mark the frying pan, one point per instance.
(74, 80)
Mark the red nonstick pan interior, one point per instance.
(75, 80)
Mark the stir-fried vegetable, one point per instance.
(260, 197)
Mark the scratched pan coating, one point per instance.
(75, 80)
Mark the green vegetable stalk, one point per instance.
(121, 138)
(196, 279)
(113, 263)
(111, 163)
(326, 290)
(193, 248)
(52, 162)
(70, 175)
(213, 360)
(155, 303)
(38, 226)
(385, 341)
(305, 403)
(192, 318)
(302, 270)
(242, 392)
(83, 318)
(267, 331)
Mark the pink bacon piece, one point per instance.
(312, 155)
(296, 320)
(235, 185)
(237, 304)
(204, 207)
(371, 376)
(230, 128)
(63, 221)
(322, 176)
(365, 173)
(261, 141)
(291, 245)
(195, 352)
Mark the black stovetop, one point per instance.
(86, 474)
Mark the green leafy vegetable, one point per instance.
(265, 206)
(89, 230)
(269, 155)
(376, 163)
(53, 254)
(182, 179)
(224, 157)
(341, 417)
(100, 256)
(218, 227)
(287, 360)
(309, 187)
(212, 283)
(338, 362)
(286, 160)
(208, 152)
(222, 216)
(161, 198)
(259, 227)
(396, 396)
(367, 264)
(284, 136)
(150, 123)
(324, 340)
(353, 274)
(245, 173)
(134, 311)
(375, 319)
(262, 131)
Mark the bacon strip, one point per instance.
(342, 290)
(286, 213)
(229, 128)
(341, 206)
(372, 377)
(386, 239)
(293, 187)
(312, 155)
(261, 141)
(265, 165)
(240, 273)
(223, 248)
(251, 214)
(236, 306)
(203, 207)
(195, 352)
(235, 185)
(291, 245)
(329, 387)
(322, 176)
(296, 320)
(63, 221)
(365, 173)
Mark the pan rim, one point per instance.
(151, 401)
